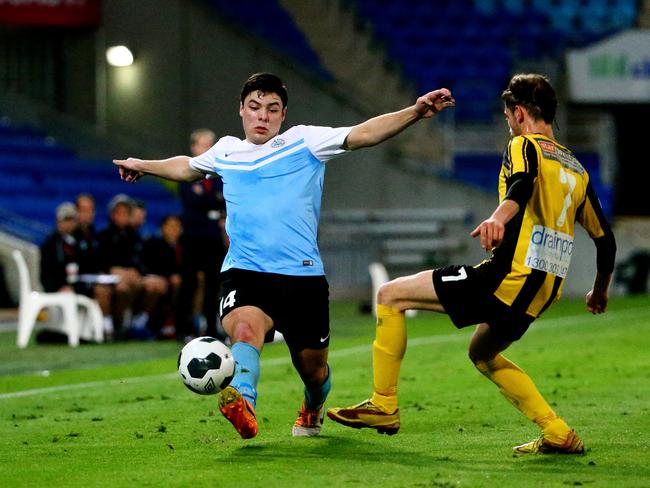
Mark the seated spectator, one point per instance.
(85, 234)
(138, 216)
(87, 247)
(161, 258)
(115, 249)
(59, 260)
(119, 254)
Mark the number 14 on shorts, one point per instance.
(227, 302)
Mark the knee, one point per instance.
(155, 285)
(386, 294)
(103, 292)
(245, 332)
(482, 366)
(130, 283)
(480, 361)
(473, 355)
(123, 288)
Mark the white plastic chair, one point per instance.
(379, 276)
(32, 302)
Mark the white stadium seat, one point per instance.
(87, 324)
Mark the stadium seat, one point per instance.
(467, 34)
(38, 174)
(87, 324)
(289, 38)
(15, 184)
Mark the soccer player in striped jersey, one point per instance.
(543, 192)
(272, 276)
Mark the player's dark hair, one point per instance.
(267, 83)
(535, 93)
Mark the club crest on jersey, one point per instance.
(279, 142)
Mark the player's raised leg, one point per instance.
(381, 412)
(485, 352)
(246, 327)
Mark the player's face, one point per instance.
(262, 115)
(511, 119)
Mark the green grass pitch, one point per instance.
(118, 415)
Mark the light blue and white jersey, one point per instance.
(273, 196)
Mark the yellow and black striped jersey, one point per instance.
(552, 188)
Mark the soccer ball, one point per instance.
(206, 365)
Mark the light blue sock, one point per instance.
(315, 397)
(247, 370)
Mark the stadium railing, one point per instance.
(404, 240)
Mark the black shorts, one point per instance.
(298, 305)
(466, 296)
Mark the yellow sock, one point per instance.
(520, 390)
(387, 354)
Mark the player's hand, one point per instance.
(596, 302)
(128, 169)
(434, 102)
(491, 233)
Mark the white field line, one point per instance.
(567, 321)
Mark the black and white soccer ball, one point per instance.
(206, 365)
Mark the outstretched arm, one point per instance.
(177, 168)
(378, 129)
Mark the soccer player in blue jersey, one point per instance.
(272, 275)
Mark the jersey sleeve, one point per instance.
(523, 156)
(519, 170)
(325, 143)
(590, 215)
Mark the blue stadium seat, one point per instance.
(37, 175)
(16, 184)
(21, 149)
(481, 170)
(36, 206)
(275, 25)
(474, 42)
